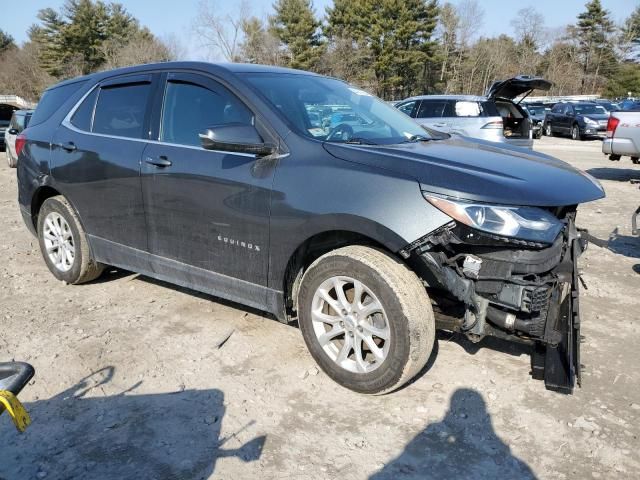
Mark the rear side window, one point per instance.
(434, 109)
(189, 109)
(83, 116)
(468, 109)
(120, 110)
(52, 100)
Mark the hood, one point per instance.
(479, 171)
(516, 86)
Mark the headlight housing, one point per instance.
(590, 121)
(525, 223)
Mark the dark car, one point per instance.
(371, 234)
(630, 105)
(580, 120)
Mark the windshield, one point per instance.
(589, 109)
(333, 111)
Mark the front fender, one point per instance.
(323, 194)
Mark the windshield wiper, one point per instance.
(356, 141)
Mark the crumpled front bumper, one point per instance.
(523, 293)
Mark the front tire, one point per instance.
(366, 319)
(548, 130)
(63, 243)
(575, 133)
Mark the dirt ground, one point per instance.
(132, 382)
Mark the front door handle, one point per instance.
(161, 161)
(68, 146)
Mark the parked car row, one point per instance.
(497, 117)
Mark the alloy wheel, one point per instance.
(350, 324)
(58, 241)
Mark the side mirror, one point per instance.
(13, 131)
(235, 137)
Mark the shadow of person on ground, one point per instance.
(77, 435)
(462, 446)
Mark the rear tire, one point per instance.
(355, 281)
(63, 243)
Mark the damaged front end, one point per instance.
(519, 290)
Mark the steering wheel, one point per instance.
(342, 131)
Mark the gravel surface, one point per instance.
(139, 379)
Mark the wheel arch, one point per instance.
(40, 195)
(324, 241)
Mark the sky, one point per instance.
(176, 17)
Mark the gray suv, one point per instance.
(308, 198)
(494, 117)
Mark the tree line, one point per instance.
(394, 48)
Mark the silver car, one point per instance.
(19, 121)
(494, 117)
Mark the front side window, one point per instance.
(120, 110)
(330, 110)
(189, 109)
(407, 108)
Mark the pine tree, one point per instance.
(296, 26)
(6, 42)
(593, 33)
(84, 35)
(398, 35)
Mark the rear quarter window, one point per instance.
(465, 108)
(52, 100)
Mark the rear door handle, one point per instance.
(68, 146)
(161, 161)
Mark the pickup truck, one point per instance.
(623, 139)
(623, 136)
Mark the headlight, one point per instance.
(526, 223)
(590, 121)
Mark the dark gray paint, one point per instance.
(165, 221)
